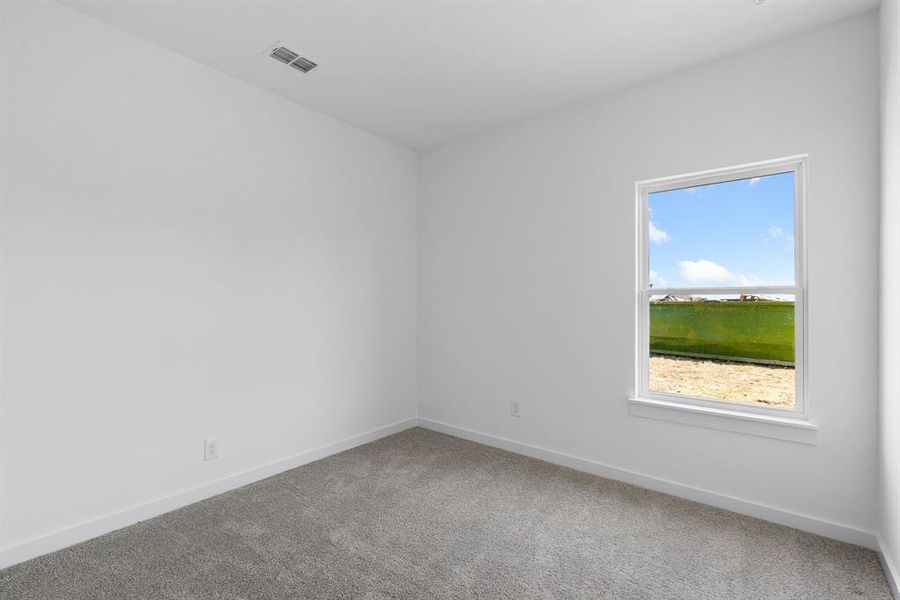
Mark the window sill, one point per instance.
(779, 428)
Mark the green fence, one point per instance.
(760, 332)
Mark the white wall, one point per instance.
(889, 417)
(183, 256)
(526, 271)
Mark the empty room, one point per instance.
(449, 299)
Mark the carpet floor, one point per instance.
(424, 515)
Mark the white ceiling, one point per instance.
(419, 72)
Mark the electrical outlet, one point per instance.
(514, 409)
(211, 449)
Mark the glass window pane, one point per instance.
(735, 233)
(738, 348)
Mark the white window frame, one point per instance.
(648, 401)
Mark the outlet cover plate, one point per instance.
(211, 449)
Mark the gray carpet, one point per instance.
(424, 515)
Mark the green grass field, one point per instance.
(746, 331)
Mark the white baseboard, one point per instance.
(85, 530)
(837, 531)
(890, 568)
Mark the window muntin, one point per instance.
(707, 241)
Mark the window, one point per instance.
(721, 290)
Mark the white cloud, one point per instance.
(657, 235)
(657, 281)
(754, 181)
(706, 272)
(777, 233)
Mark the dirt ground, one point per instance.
(737, 382)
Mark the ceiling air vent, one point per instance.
(292, 58)
(304, 64)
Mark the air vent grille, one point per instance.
(284, 55)
(304, 64)
(292, 59)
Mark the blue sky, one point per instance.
(732, 233)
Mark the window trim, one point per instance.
(722, 408)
